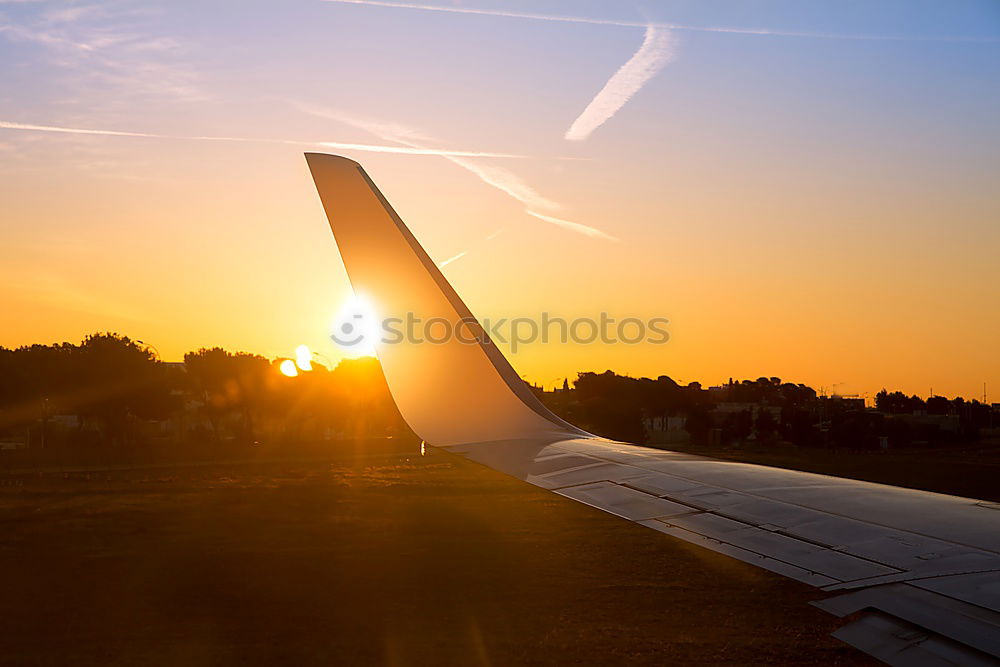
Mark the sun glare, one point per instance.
(355, 329)
(287, 367)
(303, 358)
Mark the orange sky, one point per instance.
(823, 211)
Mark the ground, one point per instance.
(376, 555)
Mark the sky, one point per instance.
(804, 189)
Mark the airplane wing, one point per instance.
(917, 573)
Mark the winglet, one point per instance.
(461, 390)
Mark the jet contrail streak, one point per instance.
(412, 151)
(586, 230)
(654, 53)
(501, 179)
(7, 125)
(451, 259)
(497, 177)
(644, 24)
(370, 148)
(465, 252)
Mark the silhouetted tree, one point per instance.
(765, 425)
(115, 379)
(698, 425)
(611, 405)
(737, 426)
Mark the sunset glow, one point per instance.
(807, 194)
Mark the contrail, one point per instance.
(654, 53)
(644, 24)
(462, 254)
(501, 179)
(370, 148)
(497, 177)
(451, 259)
(7, 125)
(586, 230)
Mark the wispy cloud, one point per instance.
(42, 37)
(643, 24)
(497, 177)
(586, 230)
(506, 181)
(9, 125)
(655, 52)
(110, 56)
(369, 148)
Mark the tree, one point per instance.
(737, 426)
(698, 425)
(611, 405)
(227, 384)
(116, 379)
(897, 403)
(765, 424)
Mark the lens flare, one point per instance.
(355, 329)
(303, 358)
(287, 367)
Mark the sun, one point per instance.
(355, 329)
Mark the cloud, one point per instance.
(642, 24)
(497, 177)
(501, 179)
(339, 145)
(586, 230)
(8, 125)
(507, 182)
(406, 150)
(655, 52)
(109, 58)
(42, 37)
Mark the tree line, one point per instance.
(118, 394)
(765, 410)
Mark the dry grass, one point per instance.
(379, 556)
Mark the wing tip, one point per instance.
(315, 159)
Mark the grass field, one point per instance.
(375, 556)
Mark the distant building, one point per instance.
(849, 402)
